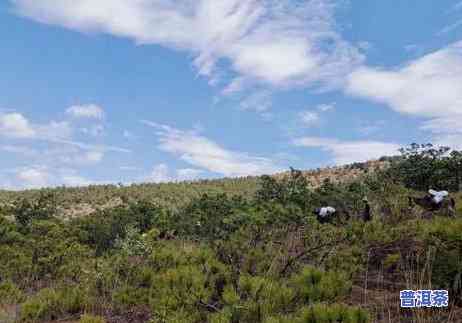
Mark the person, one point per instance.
(325, 214)
(366, 214)
(437, 197)
(435, 201)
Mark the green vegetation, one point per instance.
(244, 250)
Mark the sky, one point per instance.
(131, 91)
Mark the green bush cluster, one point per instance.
(51, 304)
(216, 257)
(424, 166)
(87, 318)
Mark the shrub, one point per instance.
(426, 166)
(87, 318)
(42, 208)
(292, 188)
(321, 313)
(211, 217)
(313, 285)
(443, 236)
(51, 304)
(9, 293)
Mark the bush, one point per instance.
(443, 236)
(425, 166)
(313, 285)
(87, 318)
(211, 217)
(9, 293)
(52, 304)
(321, 313)
(43, 208)
(293, 188)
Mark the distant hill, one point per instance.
(81, 201)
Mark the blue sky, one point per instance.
(129, 91)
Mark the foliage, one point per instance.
(293, 188)
(10, 293)
(91, 319)
(425, 166)
(50, 304)
(243, 250)
(41, 209)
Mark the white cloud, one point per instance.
(309, 118)
(326, 107)
(90, 111)
(452, 140)
(162, 174)
(277, 42)
(259, 101)
(54, 131)
(86, 146)
(187, 174)
(159, 174)
(428, 87)
(76, 180)
(32, 178)
(41, 176)
(22, 150)
(312, 117)
(204, 153)
(83, 158)
(50, 145)
(129, 135)
(94, 130)
(346, 152)
(15, 125)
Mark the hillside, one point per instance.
(235, 250)
(74, 202)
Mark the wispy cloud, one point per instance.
(87, 146)
(276, 42)
(429, 87)
(18, 149)
(346, 152)
(202, 152)
(326, 107)
(162, 174)
(449, 28)
(41, 176)
(313, 117)
(259, 101)
(33, 177)
(90, 111)
(15, 125)
(309, 118)
(48, 147)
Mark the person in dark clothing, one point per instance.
(325, 214)
(366, 214)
